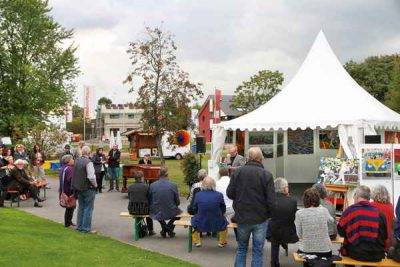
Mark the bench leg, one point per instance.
(137, 223)
(190, 239)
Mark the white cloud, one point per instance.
(222, 43)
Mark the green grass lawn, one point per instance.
(27, 240)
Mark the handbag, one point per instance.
(66, 201)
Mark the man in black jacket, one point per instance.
(252, 190)
(138, 194)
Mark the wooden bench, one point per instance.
(41, 185)
(338, 240)
(14, 194)
(350, 261)
(188, 224)
(137, 220)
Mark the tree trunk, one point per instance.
(159, 147)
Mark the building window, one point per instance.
(131, 116)
(204, 132)
(115, 116)
(204, 118)
(114, 131)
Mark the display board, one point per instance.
(396, 173)
(377, 166)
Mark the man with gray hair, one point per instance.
(84, 183)
(252, 190)
(164, 202)
(364, 229)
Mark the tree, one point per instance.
(164, 91)
(258, 90)
(77, 112)
(392, 98)
(373, 74)
(37, 68)
(104, 101)
(47, 136)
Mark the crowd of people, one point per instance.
(245, 194)
(20, 172)
(263, 209)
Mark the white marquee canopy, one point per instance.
(322, 94)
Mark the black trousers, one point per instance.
(32, 189)
(149, 223)
(69, 213)
(99, 180)
(168, 227)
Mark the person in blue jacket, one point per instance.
(209, 209)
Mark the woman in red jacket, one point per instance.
(381, 200)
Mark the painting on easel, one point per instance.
(338, 171)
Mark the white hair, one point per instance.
(85, 151)
(208, 183)
(280, 184)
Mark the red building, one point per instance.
(216, 108)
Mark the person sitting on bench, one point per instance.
(138, 199)
(22, 182)
(363, 227)
(209, 209)
(164, 202)
(312, 226)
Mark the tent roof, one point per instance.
(321, 94)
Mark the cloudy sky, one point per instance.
(223, 42)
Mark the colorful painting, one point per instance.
(328, 139)
(397, 163)
(392, 137)
(377, 163)
(300, 141)
(261, 138)
(338, 171)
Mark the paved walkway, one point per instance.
(106, 221)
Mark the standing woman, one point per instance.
(283, 230)
(99, 160)
(66, 174)
(381, 200)
(37, 161)
(312, 226)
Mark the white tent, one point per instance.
(321, 95)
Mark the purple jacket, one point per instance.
(69, 173)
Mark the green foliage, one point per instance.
(37, 67)
(190, 166)
(373, 74)
(163, 89)
(55, 245)
(104, 101)
(392, 98)
(258, 90)
(77, 112)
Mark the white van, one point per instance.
(173, 151)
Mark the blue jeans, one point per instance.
(114, 173)
(85, 209)
(244, 231)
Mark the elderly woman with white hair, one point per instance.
(209, 209)
(281, 225)
(381, 200)
(201, 174)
